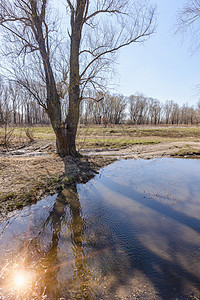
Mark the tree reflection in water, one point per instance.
(66, 213)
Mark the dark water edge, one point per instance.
(131, 232)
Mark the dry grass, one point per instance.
(110, 137)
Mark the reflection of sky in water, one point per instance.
(132, 230)
(172, 181)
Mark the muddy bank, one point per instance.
(28, 174)
(25, 180)
(175, 149)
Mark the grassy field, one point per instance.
(110, 137)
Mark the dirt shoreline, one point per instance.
(36, 171)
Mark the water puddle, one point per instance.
(25, 154)
(132, 232)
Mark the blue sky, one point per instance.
(163, 67)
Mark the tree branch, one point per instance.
(21, 38)
(143, 35)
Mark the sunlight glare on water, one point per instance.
(21, 279)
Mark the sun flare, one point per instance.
(20, 279)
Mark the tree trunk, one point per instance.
(65, 132)
(65, 142)
(66, 136)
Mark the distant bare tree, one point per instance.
(5, 115)
(118, 103)
(168, 107)
(198, 112)
(155, 109)
(138, 108)
(175, 117)
(109, 109)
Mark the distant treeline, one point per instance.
(18, 107)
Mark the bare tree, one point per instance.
(97, 30)
(155, 109)
(138, 108)
(106, 109)
(118, 104)
(168, 108)
(6, 112)
(188, 22)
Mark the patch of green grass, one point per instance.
(132, 131)
(19, 205)
(68, 180)
(9, 196)
(116, 143)
(188, 151)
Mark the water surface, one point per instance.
(132, 232)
